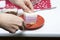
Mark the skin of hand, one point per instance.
(26, 5)
(10, 22)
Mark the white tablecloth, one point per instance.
(51, 26)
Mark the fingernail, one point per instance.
(30, 11)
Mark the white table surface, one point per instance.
(51, 26)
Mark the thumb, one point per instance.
(24, 7)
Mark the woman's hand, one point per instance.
(10, 22)
(26, 5)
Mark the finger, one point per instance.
(20, 21)
(17, 21)
(9, 29)
(20, 27)
(19, 24)
(15, 27)
(24, 7)
(30, 5)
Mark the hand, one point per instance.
(26, 5)
(10, 22)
